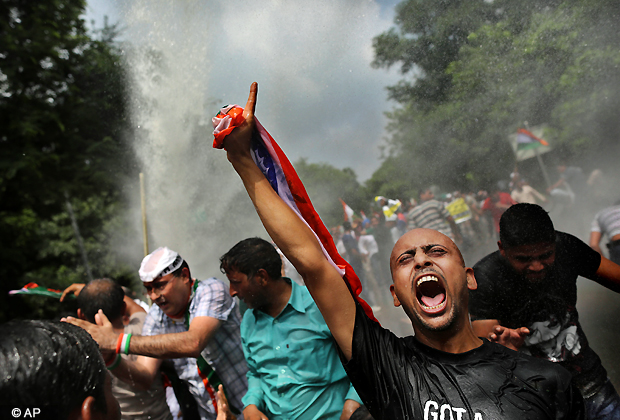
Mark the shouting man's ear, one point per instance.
(396, 301)
(472, 284)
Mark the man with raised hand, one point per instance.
(445, 371)
(193, 322)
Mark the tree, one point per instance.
(62, 125)
(545, 62)
(326, 184)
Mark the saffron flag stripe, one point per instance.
(524, 137)
(284, 180)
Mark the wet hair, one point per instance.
(50, 364)
(250, 255)
(346, 225)
(525, 224)
(104, 294)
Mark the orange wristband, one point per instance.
(118, 343)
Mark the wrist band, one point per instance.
(125, 343)
(115, 363)
(118, 343)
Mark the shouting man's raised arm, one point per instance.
(292, 235)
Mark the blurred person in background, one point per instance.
(607, 223)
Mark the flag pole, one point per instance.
(145, 236)
(542, 167)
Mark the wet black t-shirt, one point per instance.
(400, 378)
(547, 308)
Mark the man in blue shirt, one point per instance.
(294, 368)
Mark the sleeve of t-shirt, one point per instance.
(595, 227)
(443, 211)
(136, 322)
(374, 369)
(213, 299)
(353, 395)
(586, 260)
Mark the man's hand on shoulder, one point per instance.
(251, 412)
(508, 337)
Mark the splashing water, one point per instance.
(193, 197)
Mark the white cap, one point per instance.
(158, 263)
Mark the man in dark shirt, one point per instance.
(527, 294)
(445, 371)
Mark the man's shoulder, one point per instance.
(209, 287)
(491, 265)
(136, 321)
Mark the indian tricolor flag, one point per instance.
(348, 211)
(35, 289)
(527, 140)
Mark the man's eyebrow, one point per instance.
(428, 247)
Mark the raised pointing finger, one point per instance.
(250, 106)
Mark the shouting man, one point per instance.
(445, 371)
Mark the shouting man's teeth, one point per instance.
(425, 279)
(430, 292)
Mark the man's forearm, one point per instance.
(166, 346)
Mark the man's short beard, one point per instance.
(453, 315)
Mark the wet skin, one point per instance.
(425, 252)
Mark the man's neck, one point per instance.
(281, 291)
(447, 341)
(117, 325)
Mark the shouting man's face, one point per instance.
(430, 280)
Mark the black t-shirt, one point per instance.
(400, 378)
(547, 308)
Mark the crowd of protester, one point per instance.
(195, 353)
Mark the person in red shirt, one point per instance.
(497, 204)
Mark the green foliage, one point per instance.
(484, 75)
(62, 107)
(326, 184)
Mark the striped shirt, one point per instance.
(430, 214)
(223, 351)
(607, 221)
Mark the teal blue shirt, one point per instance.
(294, 371)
